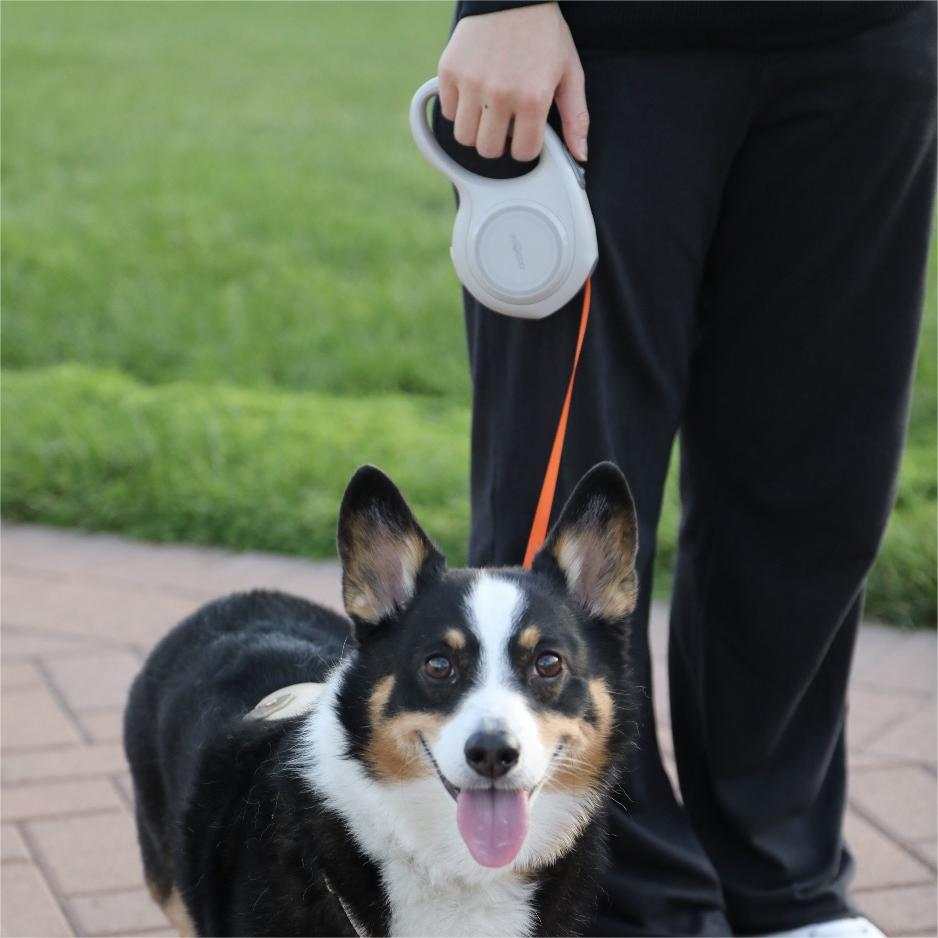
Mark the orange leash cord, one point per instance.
(545, 501)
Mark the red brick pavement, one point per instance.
(79, 612)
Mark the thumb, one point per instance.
(571, 105)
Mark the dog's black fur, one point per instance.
(218, 818)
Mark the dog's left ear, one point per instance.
(594, 543)
(385, 554)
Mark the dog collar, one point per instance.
(356, 925)
(291, 701)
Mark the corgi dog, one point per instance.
(449, 769)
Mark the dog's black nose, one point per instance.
(492, 754)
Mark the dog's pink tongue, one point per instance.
(493, 823)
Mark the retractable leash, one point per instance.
(523, 247)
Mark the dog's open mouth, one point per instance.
(493, 822)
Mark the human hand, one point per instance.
(501, 71)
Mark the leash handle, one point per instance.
(545, 501)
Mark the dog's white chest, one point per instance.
(500, 908)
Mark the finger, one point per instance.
(449, 96)
(468, 113)
(493, 131)
(571, 105)
(527, 137)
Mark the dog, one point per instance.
(451, 777)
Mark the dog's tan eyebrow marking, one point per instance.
(455, 638)
(529, 637)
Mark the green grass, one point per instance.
(218, 465)
(227, 193)
(903, 583)
(225, 283)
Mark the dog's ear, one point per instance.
(593, 545)
(385, 554)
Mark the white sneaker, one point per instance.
(853, 927)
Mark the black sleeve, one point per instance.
(477, 7)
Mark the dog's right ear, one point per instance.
(385, 554)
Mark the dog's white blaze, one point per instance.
(493, 607)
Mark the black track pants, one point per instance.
(763, 220)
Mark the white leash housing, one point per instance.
(525, 246)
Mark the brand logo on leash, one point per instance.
(516, 250)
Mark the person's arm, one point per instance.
(511, 65)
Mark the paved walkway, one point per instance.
(79, 612)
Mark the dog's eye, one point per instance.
(439, 667)
(548, 664)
